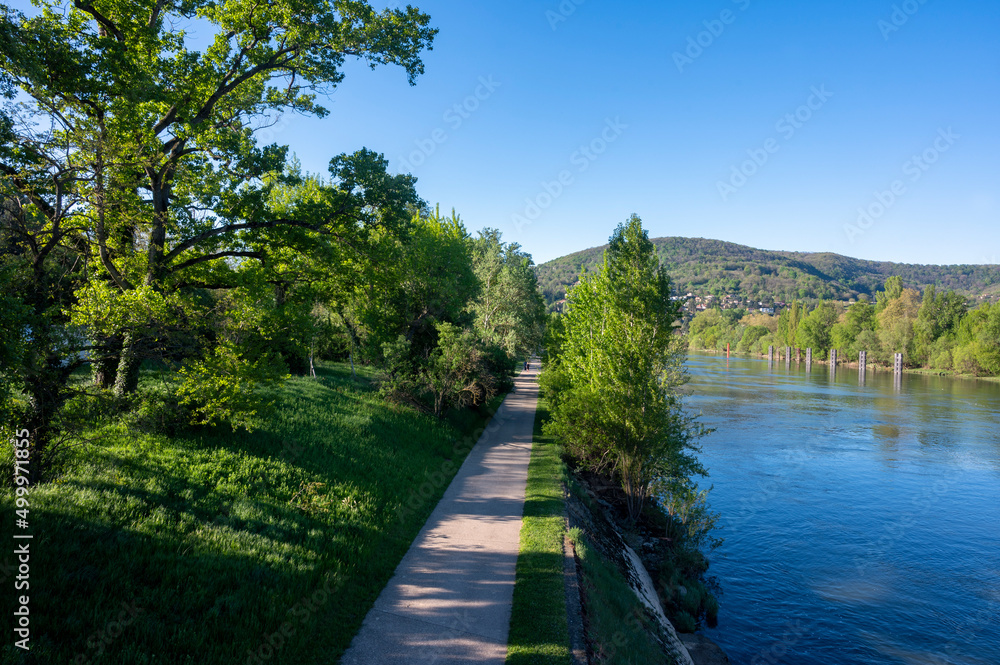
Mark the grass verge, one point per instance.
(213, 546)
(538, 631)
(618, 629)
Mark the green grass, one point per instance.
(618, 629)
(211, 546)
(538, 631)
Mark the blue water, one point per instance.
(861, 522)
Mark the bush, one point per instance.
(456, 371)
(553, 382)
(684, 622)
(157, 409)
(226, 386)
(940, 354)
(687, 600)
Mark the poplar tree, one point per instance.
(620, 412)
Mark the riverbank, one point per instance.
(617, 595)
(853, 364)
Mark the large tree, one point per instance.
(160, 137)
(939, 317)
(509, 311)
(814, 328)
(40, 267)
(617, 409)
(136, 152)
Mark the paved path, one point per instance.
(449, 600)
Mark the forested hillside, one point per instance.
(713, 267)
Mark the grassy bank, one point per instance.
(209, 546)
(618, 629)
(538, 631)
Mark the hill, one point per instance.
(714, 267)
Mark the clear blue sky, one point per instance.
(927, 86)
(892, 91)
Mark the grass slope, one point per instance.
(618, 629)
(538, 631)
(218, 547)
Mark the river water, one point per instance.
(861, 522)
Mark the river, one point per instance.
(861, 522)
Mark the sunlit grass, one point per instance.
(211, 546)
(538, 630)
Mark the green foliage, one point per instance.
(133, 185)
(509, 310)
(423, 278)
(155, 408)
(751, 336)
(936, 330)
(620, 413)
(452, 314)
(978, 343)
(937, 320)
(555, 335)
(896, 312)
(708, 328)
(40, 270)
(814, 330)
(788, 324)
(688, 600)
(454, 373)
(691, 520)
(856, 332)
(227, 387)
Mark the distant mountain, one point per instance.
(713, 267)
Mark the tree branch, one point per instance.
(212, 257)
(104, 21)
(229, 228)
(155, 14)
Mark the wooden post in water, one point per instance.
(798, 355)
(770, 354)
(727, 350)
(788, 356)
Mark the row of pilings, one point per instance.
(862, 358)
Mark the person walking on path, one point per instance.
(449, 600)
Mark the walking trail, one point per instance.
(449, 600)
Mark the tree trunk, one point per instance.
(312, 347)
(127, 379)
(47, 392)
(39, 426)
(105, 368)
